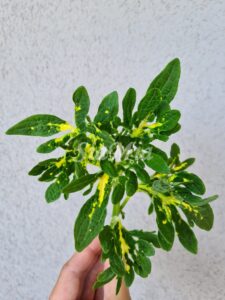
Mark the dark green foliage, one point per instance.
(157, 163)
(104, 277)
(128, 106)
(148, 104)
(131, 184)
(108, 167)
(82, 103)
(108, 110)
(175, 195)
(167, 81)
(89, 222)
(118, 193)
(38, 125)
(80, 183)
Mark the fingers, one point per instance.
(88, 291)
(70, 282)
(108, 291)
(82, 262)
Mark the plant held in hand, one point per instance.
(174, 193)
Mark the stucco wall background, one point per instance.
(47, 49)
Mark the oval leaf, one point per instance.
(118, 193)
(39, 125)
(167, 80)
(108, 109)
(104, 277)
(128, 106)
(148, 104)
(89, 222)
(80, 183)
(82, 104)
(157, 163)
(108, 167)
(131, 184)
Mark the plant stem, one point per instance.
(116, 210)
(124, 202)
(115, 214)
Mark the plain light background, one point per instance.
(47, 49)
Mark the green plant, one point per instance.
(174, 193)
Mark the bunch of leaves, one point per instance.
(175, 194)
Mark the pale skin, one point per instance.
(79, 274)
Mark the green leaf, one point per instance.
(174, 130)
(184, 165)
(116, 264)
(80, 183)
(147, 236)
(142, 266)
(164, 244)
(150, 208)
(148, 104)
(192, 182)
(185, 235)
(108, 167)
(106, 239)
(39, 125)
(104, 277)
(157, 163)
(118, 193)
(146, 248)
(174, 151)
(204, 217)
(131, 183)
(118, 285)
(194, 200)
(54, 191)
(51, 145)
(42, 166)
(163, 108)
(116, 122)
(208, 200)
(161, 186)
(82, 104)
(129, 277)
(169, 120)
(89, 222)
(88, 190)
(80, 170)
(50, 174)
(161, 137)
(141, 174)
(159, 152)
(106, 137)
(128, 106)
(108, 109)
(163, 222)
(167, 80)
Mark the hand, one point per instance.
(79, 274)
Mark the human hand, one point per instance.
(79, 274)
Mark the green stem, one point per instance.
(116, 210)
(115, 214)
(124, 203)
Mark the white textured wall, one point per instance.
(47, 49)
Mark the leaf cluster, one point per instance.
(176, 196)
